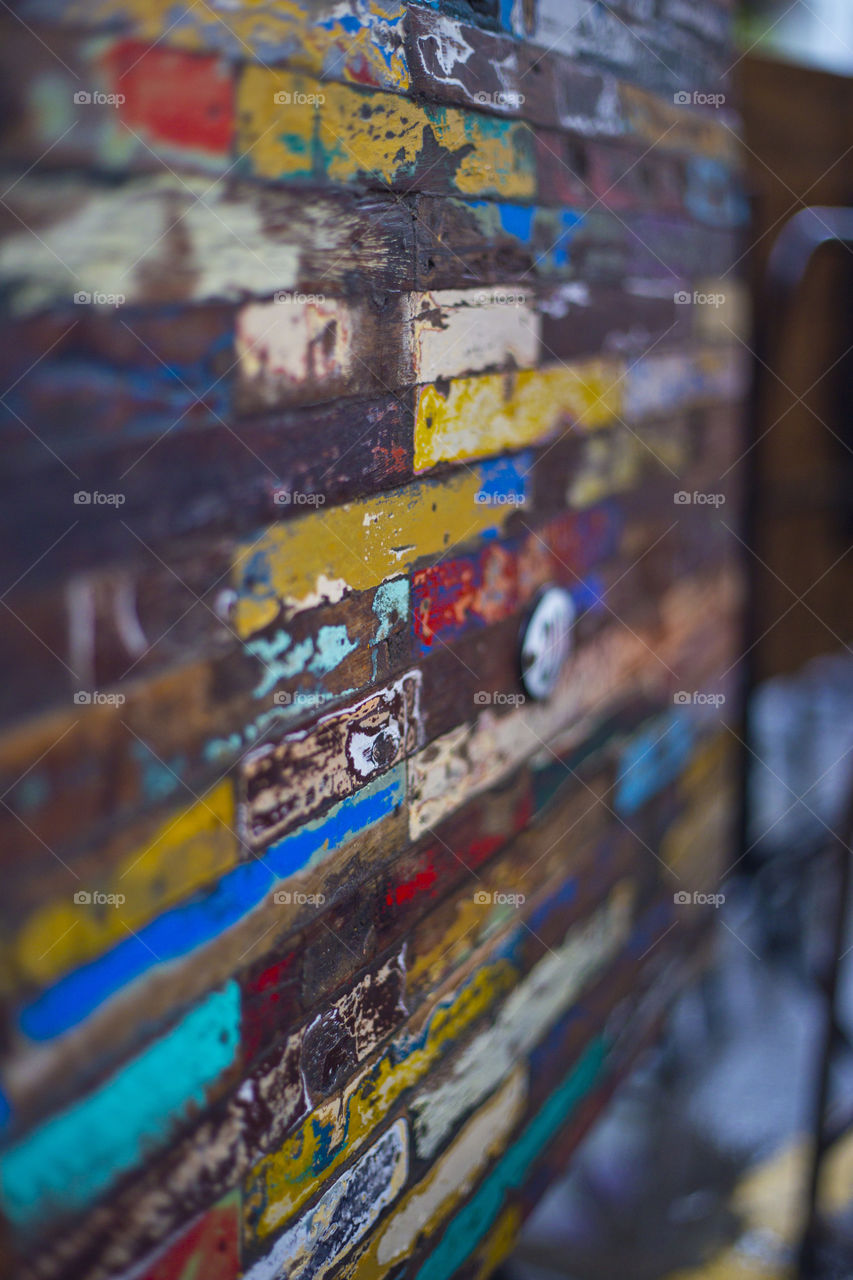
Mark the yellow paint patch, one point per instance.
(499, 1243)
(479, 416)
(282, 1182)
(184, 854)
(427, 1205)
(269, 28)
(677, 128)
(276, 113)
(292, 124)
(324, 555)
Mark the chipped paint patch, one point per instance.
(298, 564)
(78, 1154)
(425, 1207)
(338, 754)
(286, 1179)
(525, 1016)
(457, 331)
(343, 1215)
(475, 417)
(186, 853)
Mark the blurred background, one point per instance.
(729, 1155)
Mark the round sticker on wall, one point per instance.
(547, 641)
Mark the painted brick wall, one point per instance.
(333, 333)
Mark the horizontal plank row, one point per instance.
(557, 70)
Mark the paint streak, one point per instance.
(295, 126)
(343, 1215)
(475, 417)
(173, 98)
(529, 1011)
(65, 1164)
(483, 1209)
(653, 758)
(286, 1179)
(448, 1181)
(325, 555)
(203, 919)
(186, 853)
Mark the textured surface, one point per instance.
(333, 333)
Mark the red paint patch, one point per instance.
(408, 889)
(172, 97)
(209, 1250)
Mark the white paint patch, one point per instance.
(453, 1176)
(179, 239)
(285, 344)
(458, 331)
(343, 1215)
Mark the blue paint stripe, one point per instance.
(202, 918)
(75, 1156)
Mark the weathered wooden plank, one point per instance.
(457, 331)
(174, 858)
(168, 239)
(475, 417)
(284, 784)
(579, 320)
(472, 1222)
(527, 1013)
(359, 41)
(358, 545)
(221, 919)
(472, 591)
(343, 1215)
(114, 105)
(430, 1201)
(456, 62)
(73, 1158)
(309, 347)
(293, 126)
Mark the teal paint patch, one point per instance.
(280, 661)
(390, 606)
(331, 646)
(480, 1213)
(73, 1158)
